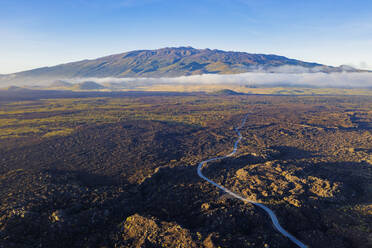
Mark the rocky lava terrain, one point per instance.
(121, 171)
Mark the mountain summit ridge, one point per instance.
(168, 62)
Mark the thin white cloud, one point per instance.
(318, 79)
(113, 4)
(284, 76)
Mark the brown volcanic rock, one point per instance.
(139, 231)
(74, 191)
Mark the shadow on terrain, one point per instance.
(83, 178)
(290, 152)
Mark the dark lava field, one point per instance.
(119, 170)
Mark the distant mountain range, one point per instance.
(168, 62)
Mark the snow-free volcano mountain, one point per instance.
(166, 62)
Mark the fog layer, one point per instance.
(339, 80)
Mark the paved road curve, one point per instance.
(272, 215)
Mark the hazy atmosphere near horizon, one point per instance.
(186, 123)
(55, 32)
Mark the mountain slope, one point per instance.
(165, 62)
(89, 85)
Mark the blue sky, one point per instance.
(40, 33)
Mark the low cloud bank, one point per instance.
(319, 79)
(274, 76)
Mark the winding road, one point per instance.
(272, 215)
